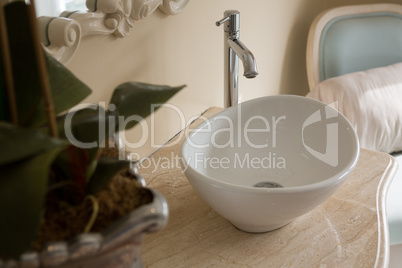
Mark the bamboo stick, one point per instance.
(42, 69)
(8, 73)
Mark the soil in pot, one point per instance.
(62, 220)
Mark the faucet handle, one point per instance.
(232, 17)
(222, 21)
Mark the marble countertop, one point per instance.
(348, 230)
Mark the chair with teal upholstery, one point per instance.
(353, 38)
(356, 38)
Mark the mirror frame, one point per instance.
(61, 36)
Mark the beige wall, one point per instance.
(188, 49)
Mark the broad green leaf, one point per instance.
(23, 187)
(86, 128)
(67, 90)
(106, 169)
(136, 99)
(21, 143)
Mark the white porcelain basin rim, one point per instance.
(333, 180)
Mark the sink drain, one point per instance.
(268, 184)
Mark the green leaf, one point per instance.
(107, 168)
(136, 99)
(21, 143)
(91, 170)
(67, 91)
(81, 127)
(86, 128)
(23, 187)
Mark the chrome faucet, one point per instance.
(235, 49)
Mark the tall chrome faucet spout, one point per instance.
(249, 64)
(235, 49)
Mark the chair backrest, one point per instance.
(353, 38)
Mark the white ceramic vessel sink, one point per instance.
(269, 160)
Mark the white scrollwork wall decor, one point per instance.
(61, 36)
(173, 7)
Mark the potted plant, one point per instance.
(48, 178)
